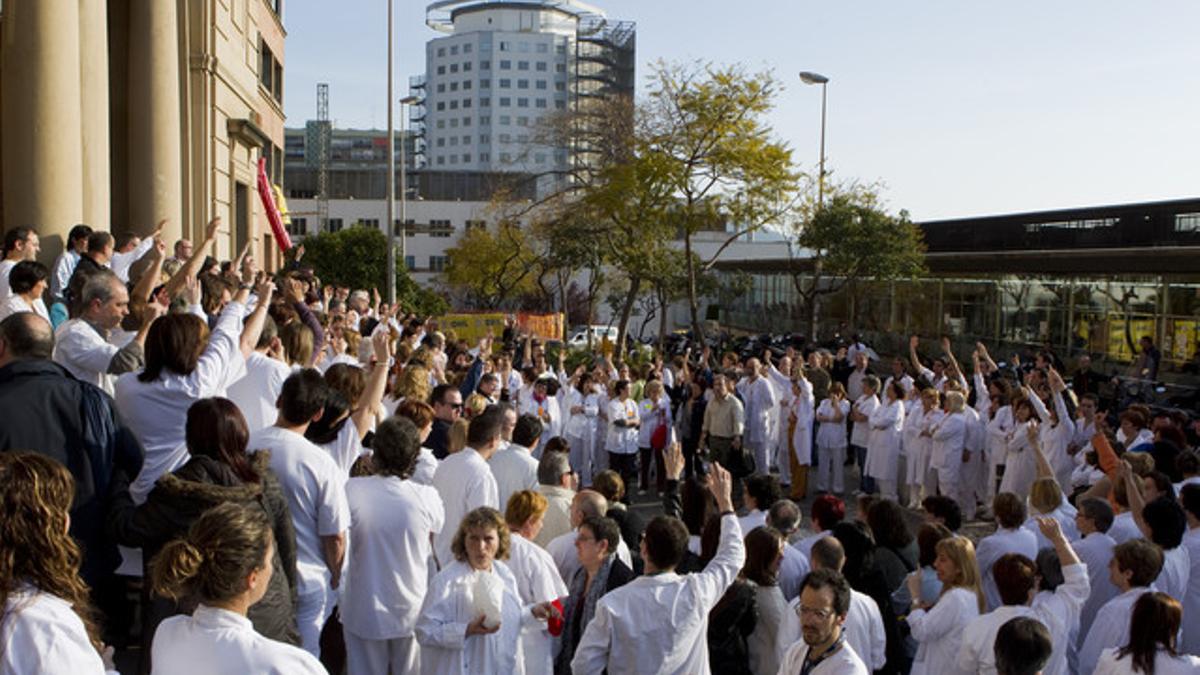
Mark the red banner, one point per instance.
(268, 200)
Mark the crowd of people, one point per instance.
(261, 473)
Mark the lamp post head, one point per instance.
(813, 78)
(410, 100)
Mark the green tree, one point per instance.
(851, 238)
(493, 265)
(356, 258)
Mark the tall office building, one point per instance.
(501, 70)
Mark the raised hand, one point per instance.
(1050, 527)
(673, 461)
(914, 342)
(721, 485)
(210, 230)
(191, 290)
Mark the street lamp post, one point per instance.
(814, 78)
(391, 150)
(404, 103)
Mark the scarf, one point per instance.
(572, 617)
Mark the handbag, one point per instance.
(658, 438)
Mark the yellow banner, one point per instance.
(543, 326)
(1118, 347)
(472, 327)
(1183, 345)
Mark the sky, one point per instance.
(957, 108)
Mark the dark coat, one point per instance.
(178, 500)
(730, 623)
(48, 411)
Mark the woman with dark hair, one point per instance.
(218, 472)
(349, 412)
(185, 363)
(764, 553)
(44, 600)
(861, 569)
(223, 566)
(895, 546)
(1153, 626)
(421, 415)
(735, 616)
(600, 572)
(27, 281)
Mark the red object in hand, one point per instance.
(268, 199)
(555, 624)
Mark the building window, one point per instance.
(476, 224)
(1187, 222)
(335, 224)
(410, 262)
(467, 48)
(454, 67)
(467, 120)
(523, 47)
(560, 67)
(368, 222)
(467, 85)
(441, 88)
(543, 48)
(270, 71)
(505, 138)
(454, 105)
(522, 103)
(505, 83)
(560, 49)
(454, 140)
(505, 101)
(485, 102)
(505, 158)
(298, 226)
(466, 140)
(441, 70)
(485, 65)
(505, 64)
(542, 85)
(467, 67)
(441, 228)
(522, 65)
(541, 66)
(505, 119)
(441, 124)
(437, 263)
(453, 50)
(522, 84)
(505, 45)
(441, 142)
(485, 138)
(485, 156)
(441, 105)
(522, 121)
(560, 86)
(453, 87)
(485, 120)
(441, 161)
(560, 105)
(466, 103)
(441, 52)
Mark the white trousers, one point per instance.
(380, 657)
(782, 447)
(887, 488)
(831, 459)
(762, 457)
(581, 457)
(312, 610)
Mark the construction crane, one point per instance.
(318, 135)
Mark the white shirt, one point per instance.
(346, 447)
(938, 632)
(1095, 551)
(64, 266)
(6, 267)
(465, 483)
(427, 464)
(752, 520)
(514, 469)
(121, 262)
(1191, 601)
(15, 304)
(658, 624)
(863, 630)
(1124, 528)
(1058, 613)
(1173, 579)
(537, 582)
(792, 570)
(622, 440)
(316, 494)
(256, 393)
(156, 412)
(391, 521)
(1164, 664)
(85, 353)
(213, 641)
(448, 609)
(1110, 629)
(842, 662)
(566, 558)
(42, 634)
(992, 547)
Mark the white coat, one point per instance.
(1055, 439)
(464, 482)
(537, 582)
(883, 448)
(1064, 514)
(216, 641)
(1191, 601)
(860, 434)
(1110, 629)
(659, 623)
(759, 398)
(652, 414)
(1096, 551)
(1173, 579)
(948, 440)
(1164, 664)
(442, 626)
(863, 630)
(42, 634)
(938, 632)
(842, 662)
(992, 547)
(921, 450)
(802, 409)
(1020, 466)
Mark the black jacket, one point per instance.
(730, 623)
(178, 500)
(439, 438)
(48, 411)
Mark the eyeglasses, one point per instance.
(455, 406)
(822, 614)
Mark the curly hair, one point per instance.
(482, 518)
(34, 545)
(412, 383)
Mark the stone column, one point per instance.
(40, 111)
(93, 91)
(155, 127)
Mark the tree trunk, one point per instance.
(635, 284)
(563, 281)
(693, 301)
(662, 320)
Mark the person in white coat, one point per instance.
(1189, 498)
(44, 631)
(473, 615)
(918, 444)
(1017, 580)
(823, 606)
(799, 445)
(948, 453)
(863, 626)
(393, 520)
(883, 448)
(938, 628)
(1019, 463)
(655, 434)
(759, 398)
(464, 481)
(225, 560)
(831, 440)
(860, 433)
(1057, 428)
(1153, 629)
(537, 578)
(1009, 537)
(658, 622)
(545, 407)
(581, 409)
(781, 380)
(1163, 522)
(1134, 567)
(1095, 548)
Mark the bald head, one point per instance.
(25, 336)
(784, 516)
(587, 504)
(828, 554)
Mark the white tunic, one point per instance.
(1095, 551)
(1191, 601)
(1124, 528)
(85, 353)
(1059, 613)
(465, 483)
(216, 641)
(883, 448)
(842, 662)
(1164, 664)
(622, 440)
(949, 439)
(41, 634)
(316, 494)
(1110, 629)
(427, 464)
(15, 304)
(257, 392)
(802, 407)
(580, 425)
(442, 626)
(759, 399)
(652, 414)
(1020, 464)
(938, 632)
(792, 570)
(346, 447)
(832, 434)
(658, 623)
(992, 547)
(860, 435)
(1173, 579)
(391, 524)
(514, 469)
(537, 582)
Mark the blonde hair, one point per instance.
(954, 401)
(961, 552)
(652, 387)
(457, 436)
(482, 518)
(412, 384)
(474, 405)
(1045, 495)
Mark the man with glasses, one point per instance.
(447, 407)
(824, 603)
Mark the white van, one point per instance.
(588, 336)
